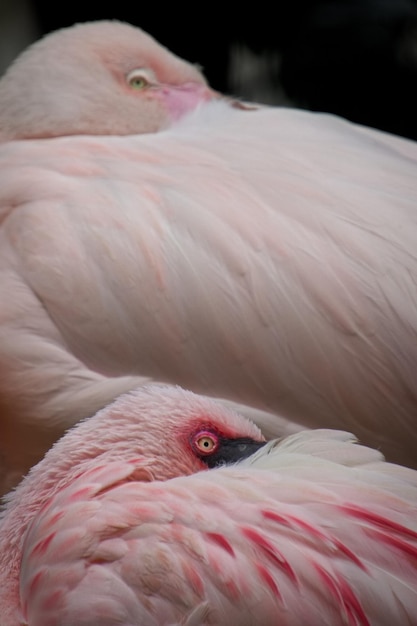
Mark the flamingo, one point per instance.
(264, 256)
(154, 512)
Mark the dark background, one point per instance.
(355, 58)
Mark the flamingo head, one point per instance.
(97, 78)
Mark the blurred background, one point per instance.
(354, 58)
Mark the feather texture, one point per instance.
(264, 256)
(313, 529)
(284, 283)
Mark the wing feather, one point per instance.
(301, 539)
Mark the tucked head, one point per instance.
(160, 432)
(104, 77)
(167, 430)
(176, 431)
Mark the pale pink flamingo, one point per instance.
(266, 256)
(120, 525)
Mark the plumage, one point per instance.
(264, 256)
(107, 530)
(105, 78)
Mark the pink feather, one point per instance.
(290, 536)
(264, 256)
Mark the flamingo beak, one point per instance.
(232, 451)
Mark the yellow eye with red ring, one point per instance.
(205, 442)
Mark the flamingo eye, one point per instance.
(139, 79)
(206, 442)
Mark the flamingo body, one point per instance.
(166, 255)
(314, 529)
(265, 256)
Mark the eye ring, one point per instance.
(138, 79)
(205, 442)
